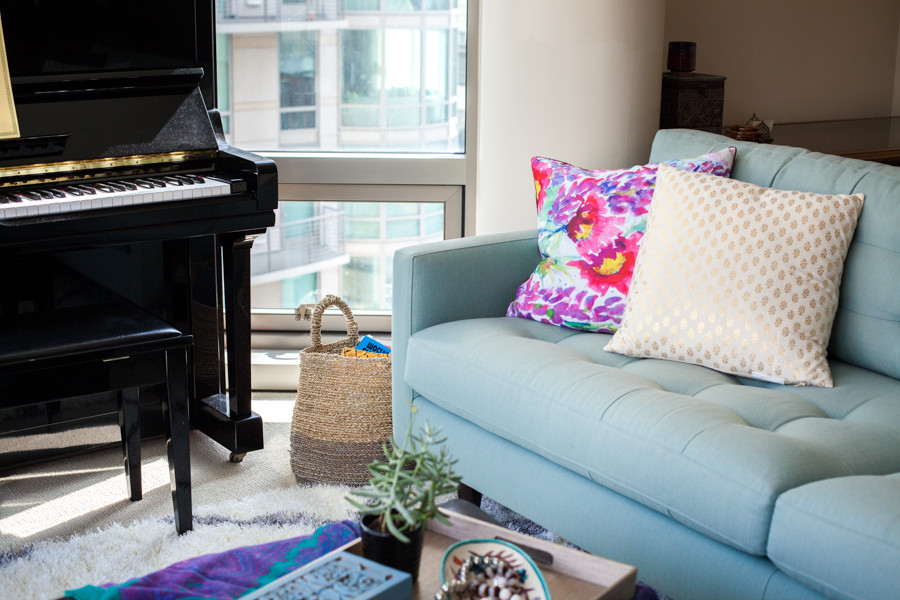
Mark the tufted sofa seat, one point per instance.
(697, 445)
(714, 486)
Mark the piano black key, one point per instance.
(128, 185)
(28, 195)
(57, 193)
(116, 186)
(86, 189)
(170, 180)
(156, 182)
(72, 191)
(185, 179)
(45, 194)
(102, 187)
(143, 183)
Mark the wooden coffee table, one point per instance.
(570, 574)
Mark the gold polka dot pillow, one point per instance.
(739, 278)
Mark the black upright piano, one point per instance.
(121, 183)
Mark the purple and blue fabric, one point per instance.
(226, 575)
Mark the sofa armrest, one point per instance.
(451, 280)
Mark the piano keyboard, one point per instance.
(75, 197)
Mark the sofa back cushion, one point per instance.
(867, 324)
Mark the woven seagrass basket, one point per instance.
(342, 415)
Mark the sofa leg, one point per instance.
(469, 494)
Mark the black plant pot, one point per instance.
(384, 548)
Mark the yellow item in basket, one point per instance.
(353, 352)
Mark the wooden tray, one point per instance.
(570, 574)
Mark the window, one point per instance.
(362, 104)
(323, 244)
(297, 74)
(343, 246)
(332, 76)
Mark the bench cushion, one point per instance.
(695, 444)
(76, 330)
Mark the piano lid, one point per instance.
(62, 40)
(106, 78)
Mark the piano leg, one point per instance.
(236, 265)
(222, 275)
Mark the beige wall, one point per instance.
(576, 80)
(795, 60)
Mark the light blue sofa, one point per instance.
(713, 486)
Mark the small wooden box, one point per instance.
(692, 101)
(572, 574)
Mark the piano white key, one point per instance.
(113, 199)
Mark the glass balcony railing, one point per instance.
(295, 245)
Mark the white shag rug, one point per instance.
(117, 553)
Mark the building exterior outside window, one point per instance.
(367, 75)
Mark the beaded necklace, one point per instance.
(485, 577)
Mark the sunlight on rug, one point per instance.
(82, 501)
(121, 552)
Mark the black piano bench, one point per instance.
(113, 347)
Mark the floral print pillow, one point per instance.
(590, 229)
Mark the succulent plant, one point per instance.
(405, 487)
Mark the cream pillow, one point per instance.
(739, 278)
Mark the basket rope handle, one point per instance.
(313, 312)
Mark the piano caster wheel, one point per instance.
(236, 457)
